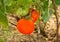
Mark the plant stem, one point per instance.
(55, 13)
(48, 6)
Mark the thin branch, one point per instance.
(55, 13)
(48, 6)
(16, 17)
(12, 24)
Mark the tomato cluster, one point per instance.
(27, 26)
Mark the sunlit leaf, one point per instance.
(22, 11)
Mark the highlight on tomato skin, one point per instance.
(34, 15)
(25, 26)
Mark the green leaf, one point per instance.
(57, 2)
(45, 14)
(13, 6)
(3, 20)
(25, 2)
(45, 5)
(51, 11)
(8, 2)
(22, 11)
(45, 18)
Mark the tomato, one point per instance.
(34, 15)
(25, 26)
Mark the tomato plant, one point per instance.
(20, 8)
(25, 26)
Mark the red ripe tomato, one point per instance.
(25, 26)
(34, 15)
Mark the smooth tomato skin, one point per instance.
(34, 15)
(25, 26)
